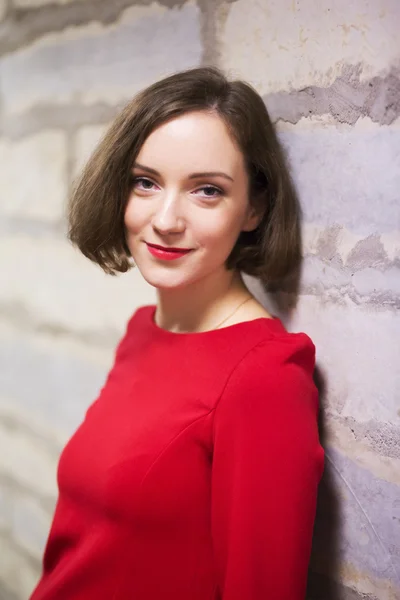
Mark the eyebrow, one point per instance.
(192, 176)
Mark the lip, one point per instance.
(168, 248)
(166, 253)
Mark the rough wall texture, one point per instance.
(330, 75)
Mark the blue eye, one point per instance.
(210, 191)
(146, 184)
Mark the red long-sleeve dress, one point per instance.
(194, 474)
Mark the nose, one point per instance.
(167, 217)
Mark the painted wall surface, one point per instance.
(330, 75)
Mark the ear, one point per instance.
(253, 218)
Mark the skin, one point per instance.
(171, 205)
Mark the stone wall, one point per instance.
(330, 75)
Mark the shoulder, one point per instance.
(276, 352)
(140, 320)
(136, 325)
(141, 316)
(275, 374)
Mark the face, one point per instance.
(189, 196)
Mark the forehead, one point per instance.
(193, 141)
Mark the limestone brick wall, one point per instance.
(330, 74)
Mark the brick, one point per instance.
(330, 281)
(287, 45)
(6, 593)
(97, 63)
(370, 444)
(33, 177)
(3, 9)
(385, 247)
(30, 525)
(39, 3)
(28, 459)
(5, 508)
(85, 141)
(357, 351)
(347, 176)
(71, 294)
(368, 549)
(61, 377)
(18, 572)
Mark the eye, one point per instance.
(210, 191)
(142, 183)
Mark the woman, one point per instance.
(194, 475)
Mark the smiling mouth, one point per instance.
(167, 249)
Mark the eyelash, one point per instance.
(136, 180)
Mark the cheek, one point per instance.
(219, 229)
(133, 217)
(217, 241)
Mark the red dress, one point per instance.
(194, 475)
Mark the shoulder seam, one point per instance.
(266, 339)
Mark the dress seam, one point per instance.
(165, 448)
(213, 409)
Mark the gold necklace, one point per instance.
(231, 315)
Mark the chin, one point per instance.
(165, 281)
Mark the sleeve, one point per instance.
(267, 464)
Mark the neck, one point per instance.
(202, 305)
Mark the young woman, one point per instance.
(194, 475)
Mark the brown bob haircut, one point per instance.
(96, 211)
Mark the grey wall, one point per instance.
(330, 75)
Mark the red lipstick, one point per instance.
(166, 253)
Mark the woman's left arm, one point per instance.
(267, 464)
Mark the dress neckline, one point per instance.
(273, 323)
